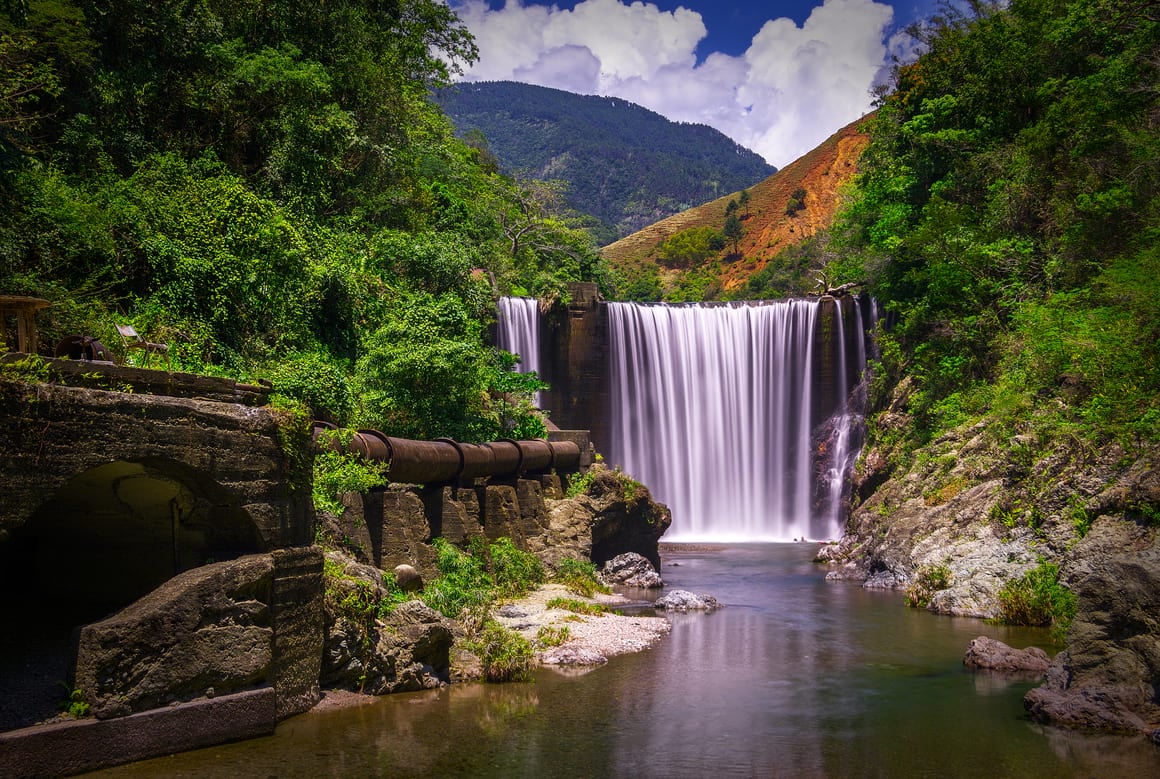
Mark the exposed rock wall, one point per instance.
(984, 509)
(1109, 676)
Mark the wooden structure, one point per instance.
(24, 309)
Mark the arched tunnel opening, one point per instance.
(109, 536)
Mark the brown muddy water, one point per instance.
(795, 677)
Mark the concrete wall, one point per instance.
(574, 354)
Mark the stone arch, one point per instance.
(103, 539)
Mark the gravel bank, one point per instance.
(592, 638)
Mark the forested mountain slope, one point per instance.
(623, 164)
(688, 256)
(1006, 217)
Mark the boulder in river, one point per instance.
(989, 654)
(683, 600)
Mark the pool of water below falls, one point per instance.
(795, 677)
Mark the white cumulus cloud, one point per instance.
(789, 91)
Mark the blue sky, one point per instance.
(778, 77)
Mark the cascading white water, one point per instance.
(518, 332)
(712, 408)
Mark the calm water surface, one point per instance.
(797, 677)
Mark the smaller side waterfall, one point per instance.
(518, 331)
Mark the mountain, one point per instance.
(782, 213)
(625, 165)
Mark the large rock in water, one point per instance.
(631, 570)
(990, 655)
(683, 600)
(1109, 677)
(612, 516)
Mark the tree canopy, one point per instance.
(1006, 216)
(268, 187)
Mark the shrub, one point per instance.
(928, 580)
(506, 655)
(515, 571)
(335, 474)
(1038, 598)
(548, 636)
(480, 576)
(463, 581)
(579, 576)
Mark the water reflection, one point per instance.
(796, 677)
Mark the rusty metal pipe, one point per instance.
(444, 460)
(537, 456)
(565, 456)
(508, 457)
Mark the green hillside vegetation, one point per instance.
(625, 165)
(267, 188)
(1007, 217)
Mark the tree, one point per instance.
(733, 231)
(743, 200)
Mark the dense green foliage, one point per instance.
(690, 247)
(625, 165)
(1007, 218)
(480, 575)
(268, 188)
(1038, 598)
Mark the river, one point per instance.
(795, 677)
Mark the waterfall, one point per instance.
(724, 412)
(518, 331)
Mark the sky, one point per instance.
(778, 77)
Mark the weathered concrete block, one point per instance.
(501, 514)
(406, 531)
(66, 748)
(298, 629)
(206, 631)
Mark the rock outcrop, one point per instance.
(612, 516)
(1109, 676)
(402, 650)
(988, 654)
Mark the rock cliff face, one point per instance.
(981, 509)
(1109, 676)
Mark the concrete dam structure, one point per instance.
(742, 417)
